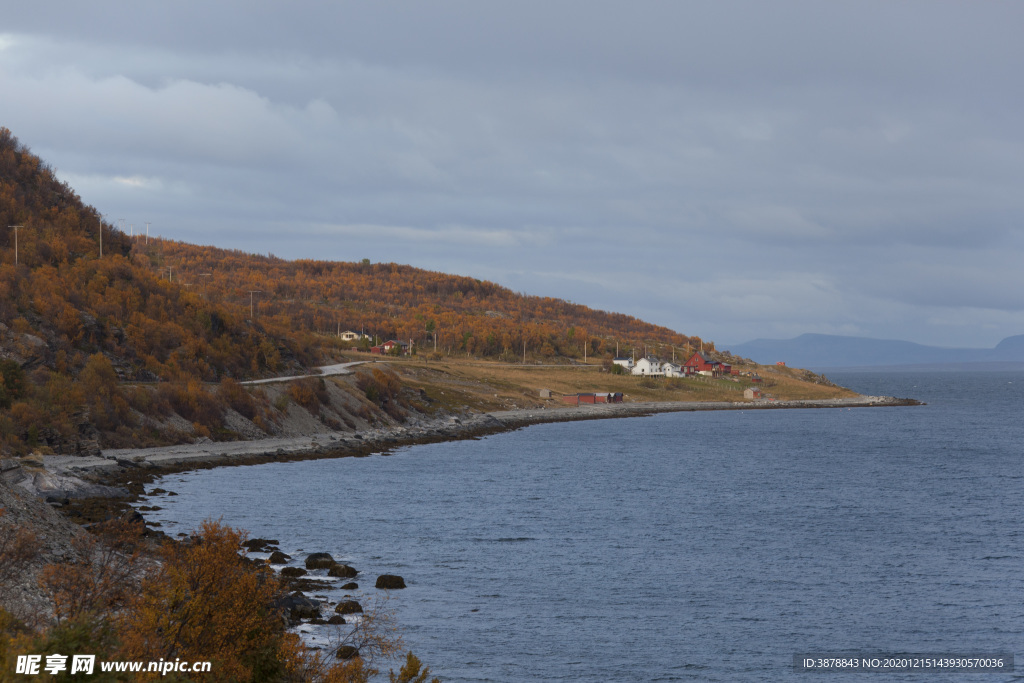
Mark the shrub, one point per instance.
(309, 392)
(195, 404)
(12, 382)
(235, 395)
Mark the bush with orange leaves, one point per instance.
(202, 602)
(197, 600)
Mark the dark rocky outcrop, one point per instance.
(319, 561)
(390, 582)
(254, 545)
(297, 606)
(348, 607)
(347, 652)
(309, 584)
(336, 620)
(352, 586)
(293, 572)
(277, 557)
(342, 571)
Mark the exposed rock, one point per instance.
(347, 652)
(293, 572)
(307, 584)
(277, 557)
(348, 607)
(319, 561)
(254, 545)
(44, 484)
(51, 542)
(390, 582)
(342, 571)
(351, 586)
(298, 606)
(336, 620)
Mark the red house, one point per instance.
(698, 363)
(386, 348)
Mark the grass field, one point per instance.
(484, 385)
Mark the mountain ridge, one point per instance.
(818, 351)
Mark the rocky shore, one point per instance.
(77, 476)
(92, 488)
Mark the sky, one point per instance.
(728, 169)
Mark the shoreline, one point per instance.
(72, 493)
(204, 454)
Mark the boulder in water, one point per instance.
(342, 571)
(348, 607)
(319, 561)
(347, 652)
(390, 582)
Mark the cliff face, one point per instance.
(32, 535)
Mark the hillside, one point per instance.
(108, 341)
(468, 317)
(75, 325)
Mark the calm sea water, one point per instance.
(687, 546)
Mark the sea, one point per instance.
(694, 546)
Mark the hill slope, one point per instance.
(468, 316)
(88, 316)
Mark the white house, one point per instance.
(671, 370)
(626, 362)
(349, 335)
(648, 367)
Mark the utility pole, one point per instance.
(147, 232)
(15, 241)
(206, 283)
(169, 278)
(252, 305)
(101, 238)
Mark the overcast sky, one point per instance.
(728, 169)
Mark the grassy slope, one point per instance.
(487, 386)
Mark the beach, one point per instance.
(420, 429)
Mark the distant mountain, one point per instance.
(834, 351)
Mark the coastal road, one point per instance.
(325, 371)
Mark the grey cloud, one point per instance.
(801, 165)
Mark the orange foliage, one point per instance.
(204, 603)
(99, 321)
(392, 301)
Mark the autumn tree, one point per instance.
(411, 672)
(204, 602)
